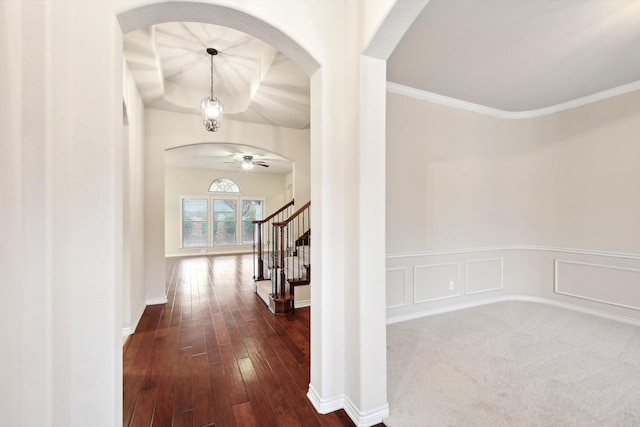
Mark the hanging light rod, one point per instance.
(212, 108)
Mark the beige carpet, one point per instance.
(513, 364)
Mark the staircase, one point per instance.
(282, 253)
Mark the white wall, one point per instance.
(491, 203)
(63, 230)
(61, 246)
(196, 182)
(133, 302)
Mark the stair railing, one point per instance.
(292, 253)
(264, 238)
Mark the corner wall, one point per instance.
(133, 300)
(480, 207)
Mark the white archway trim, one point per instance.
(395, 25)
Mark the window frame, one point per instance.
(206, 221)
(238, 197)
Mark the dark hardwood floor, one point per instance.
(215, 356)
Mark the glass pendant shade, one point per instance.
(212, 111)
(211, 107)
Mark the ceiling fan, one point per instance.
(247, 162)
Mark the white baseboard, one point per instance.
(134, 324)
(368, 418)
(209, 252)
(462, 306)
(154, 301)
(324, 406)
(303, 303)
(361, 419)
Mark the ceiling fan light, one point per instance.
(247, 165)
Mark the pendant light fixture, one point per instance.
(212, 109)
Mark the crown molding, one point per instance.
(501, 114)
(635, 256)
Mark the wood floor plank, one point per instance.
(268, 381)
(143, 412)
(257, 396)
(222, 335)
(214, 355)
(163, 414)
(244, 415)
(172, 349)
(184, 388)
(223, 413)
(298, 401)
(131, 384)
(155, 367)
(234, 384)
(203, 399)
(183, 419)
(211, 344)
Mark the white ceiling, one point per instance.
(520, 55)
(225, 157)
(507, 55)
(254, 81)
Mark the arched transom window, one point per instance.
(224, 185)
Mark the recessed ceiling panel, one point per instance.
(254, 81)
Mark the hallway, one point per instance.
(215, 356)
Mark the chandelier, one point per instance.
(212, 108)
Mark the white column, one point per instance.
(371, 263)
(326, 390)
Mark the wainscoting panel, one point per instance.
(597, 282)
(424, 283)
(396, 287)
(484, 275)
(435, 282)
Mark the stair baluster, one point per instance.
(263, 240)
(291, 268)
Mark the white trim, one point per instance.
(588, 264)
(132, 328)
(156, 301)
(466, 275)
(515, 248)
(440, 310)
(368, 418)
(502, 114)
(211, 197)
(301, 304)
(213, 250)
(404, 286)
(457, 294)
(324, 406)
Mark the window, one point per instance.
(195, 219)
(224, 222)
(220, 220)
(251, 211)
(224, 185)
